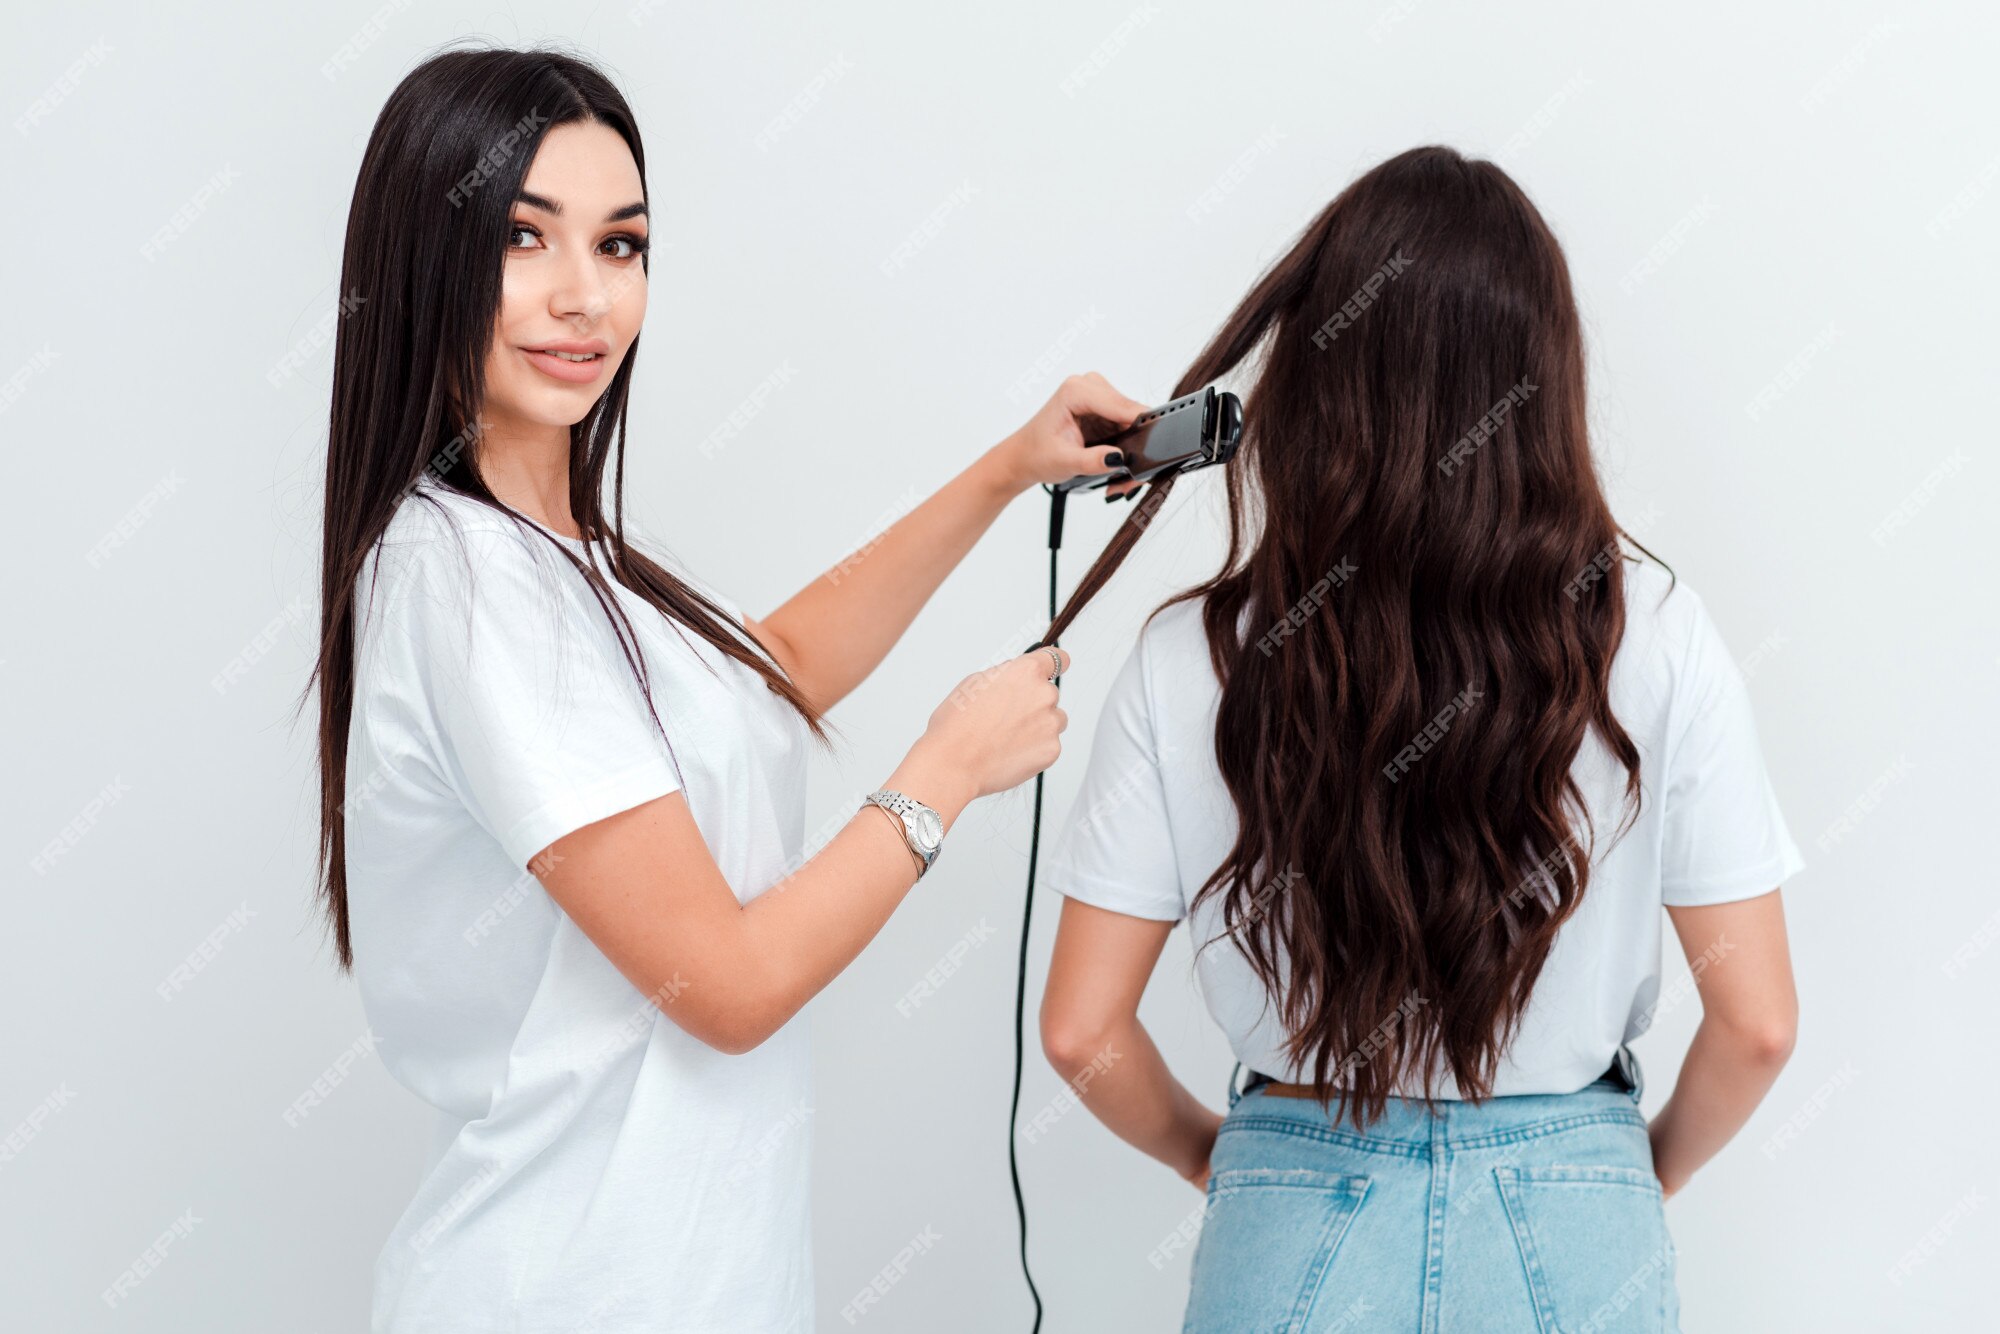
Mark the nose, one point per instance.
(579, 294)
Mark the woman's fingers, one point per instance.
(1094, 397)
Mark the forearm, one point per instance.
(797, 936)
(841, 626)
(1126, 1084)
(1725, 1076)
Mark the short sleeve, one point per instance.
(536, 713)
(1724, 836)
(1115, 852)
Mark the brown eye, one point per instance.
(520, 230)
(626, 247)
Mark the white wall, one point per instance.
(1838, 169)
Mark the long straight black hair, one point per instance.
(426, 241)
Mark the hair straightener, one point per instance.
(1194, 431)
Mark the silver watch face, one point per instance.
(930, 829)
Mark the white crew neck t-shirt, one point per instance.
(1154, 819)
(594, 1167)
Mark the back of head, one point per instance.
(1417, 636)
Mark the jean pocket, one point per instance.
(1268, 1237)
(1594, 1246)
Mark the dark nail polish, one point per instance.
(1133, 494)
(1116, 458)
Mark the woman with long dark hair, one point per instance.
(562, 784)
(1420, 767)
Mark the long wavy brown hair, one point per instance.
(1417, 640)
(420, 278)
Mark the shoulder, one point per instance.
(1674, 647)
(442, 552)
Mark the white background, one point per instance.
(1840, 162)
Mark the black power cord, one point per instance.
(1056, 499)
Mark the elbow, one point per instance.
(732, 1025)
(1073, 1042)
(1771, 1042)
(1765, 1041)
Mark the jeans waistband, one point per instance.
(1622, 1076)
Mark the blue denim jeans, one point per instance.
(1538, 1213)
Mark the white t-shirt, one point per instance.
(1153, 820)
(595, 1167)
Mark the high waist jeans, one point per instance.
(1536, 1213)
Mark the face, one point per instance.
(573, 289)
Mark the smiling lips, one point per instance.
(569, 360)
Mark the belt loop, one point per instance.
(1234, 1095)
(1626, 1061)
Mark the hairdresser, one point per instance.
(562, 782)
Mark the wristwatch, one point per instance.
(923, 830)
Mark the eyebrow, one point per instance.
(551, 206)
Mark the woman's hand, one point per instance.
(1198, 1178)
(1053, 447)
(1002, 726)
